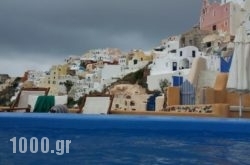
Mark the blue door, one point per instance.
(187, 93)
(177, 81)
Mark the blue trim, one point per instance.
(151, 102)
(187, 93)
(177, 80)
(225, 64)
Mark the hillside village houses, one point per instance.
(5, 81)
(90, 72)
(170, 60)
(210, 40)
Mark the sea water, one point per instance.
(127, 139)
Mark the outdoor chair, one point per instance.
(96, 104)
(21, 102)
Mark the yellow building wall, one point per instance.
(140, 55)
(62, 70)
(51, 80)
(53, 90)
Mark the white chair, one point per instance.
(21, 103)
(97, 104)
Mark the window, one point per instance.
(135, 62)
(180, 53)
(209, 44)
(214, 27)
(193, 53)
(174, 65)
(128, 97)
(173, 51)
(225, 23)
(132, 103)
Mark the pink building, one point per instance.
(223, 17)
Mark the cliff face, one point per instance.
(8, 92)
(193, 37)
(6, 95)
(139, 77)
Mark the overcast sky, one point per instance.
(35, 34)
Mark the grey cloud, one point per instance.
(61, 27)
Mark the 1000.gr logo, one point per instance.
(34, 146)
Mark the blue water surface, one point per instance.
(114, 139)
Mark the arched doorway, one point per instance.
(184, 64)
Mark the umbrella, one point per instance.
(239, 73)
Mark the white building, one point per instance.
(240, 2)
(105, 55)
(122, 61)
(169, 62)
(75, 65)
(171, 43)
(135, 64)
(35, 76)
(213, 62)
(71, 59)
(177, 63)
(79, 89)
(246, 18)
(110, 73)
